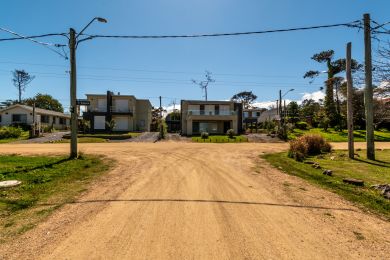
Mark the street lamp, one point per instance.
(73, 84)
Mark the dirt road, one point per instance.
(199, 201)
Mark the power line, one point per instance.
(356, 24)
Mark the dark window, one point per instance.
(19, 118)
(257, 114)
(195, 127)
(202, 109)
(217, 109)
(44, 119)
(62, 121)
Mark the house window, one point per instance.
(246, 114)
(62, 121)
(208, 127)
(44, 119)
(19, 118)
(257, 114)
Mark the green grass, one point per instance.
(336, 136)
(47, 183)
(220, 139)
(372, 172)
(24, 136)
(83, 140)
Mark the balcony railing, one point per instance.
(120, 110)
(211, 113)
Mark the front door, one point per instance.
(226, 126)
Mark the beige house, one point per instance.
(214, 117)
(128, 112)
(21, 114)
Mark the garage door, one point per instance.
(99, 122)
(122, 123)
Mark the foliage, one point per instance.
(204, 135)
(230, 133)
(10, 132)
(308, 110)
(85, 126)
(308, 145)
(333, 68)
(21, 79)
(219, 139)
(301, 125)
(371, 172)
(44, 101)
(341, 136)
(245, 97)
(293, 111)
(156, 115)
(111, 125)
(163, 129)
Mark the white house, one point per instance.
(22, 114)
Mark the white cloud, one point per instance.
(317, 95)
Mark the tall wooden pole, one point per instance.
(349, 102)
(73, 87)
(368, 93)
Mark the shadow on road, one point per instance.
(199, 201)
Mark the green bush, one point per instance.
(309, 144)
(10, 132)
(230, 133)
(204, 135)
(301, 125)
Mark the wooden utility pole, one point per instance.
(73, 88)
(33, 130)
(349, 102)
(160, 107)
(368, 93)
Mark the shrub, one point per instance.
(310, 144)
(204, 135)
(230, 133)
(162, 129)
(301, 125)
(10, 132)
(324, 123)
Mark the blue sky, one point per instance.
(150, 68)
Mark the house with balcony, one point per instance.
(19, 114)
(128, 112)
(214, 117)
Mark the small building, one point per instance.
(173, 122)
(251, 116)
(269, 115)
(214, 117)
(128, 112)
(23, 115)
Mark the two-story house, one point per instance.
(128, 112)
(214, 117)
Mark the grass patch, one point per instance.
(47, 183)
(372, 172)
(82, 140)
(24, 136)
(220, 139)
(336, 136)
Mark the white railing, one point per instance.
(211, 113)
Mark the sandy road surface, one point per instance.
(199, 201)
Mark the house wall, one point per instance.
(143, 115)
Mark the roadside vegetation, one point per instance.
(10, 134)
(331, 135)
(47, 183)
(371, 172)
(220, 139)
